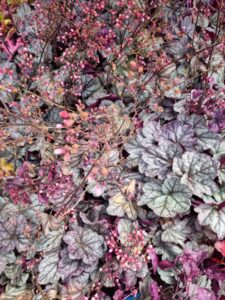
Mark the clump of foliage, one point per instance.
(112, 181)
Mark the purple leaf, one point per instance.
(154, 258)
(118, 295)
(154, 290)
(165, 264)
(190, 261)
(198, 293)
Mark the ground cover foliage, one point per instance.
(112, 150)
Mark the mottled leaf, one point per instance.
(217, 198)
(3, 263)
(74, 289)
(151, 131)
(120, 206)
(206, 139)
(48, 222)
(133, 147)
(168, 276)
(125, 228)
(12, 233)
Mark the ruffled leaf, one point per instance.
(159, 159)
(68, 267)
(179, 133)
(84, 244)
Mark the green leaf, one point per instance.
(166, 199)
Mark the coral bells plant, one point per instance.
(112, 150)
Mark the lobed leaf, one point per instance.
(168, 198)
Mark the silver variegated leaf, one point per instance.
(68, 267)
(198, 293)
(176, 233)
(196, 121)
(169, 251)
(179, 133)
(133, 147)
(51, 241)
(206, 139)
(198, 172)
(217, 198)
(219, 151)
(168, 276)
(168, 198)
(159, 159)
(125, 228)
(48, 272)
(151, 131)
(213, 217)
(84, 244)
(204, 282)
(74, 289)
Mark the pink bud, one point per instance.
(64, 114)
(67, 156)
(58, 151)
(68, 123)
(133, 65)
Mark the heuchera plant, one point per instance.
(112, 150)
